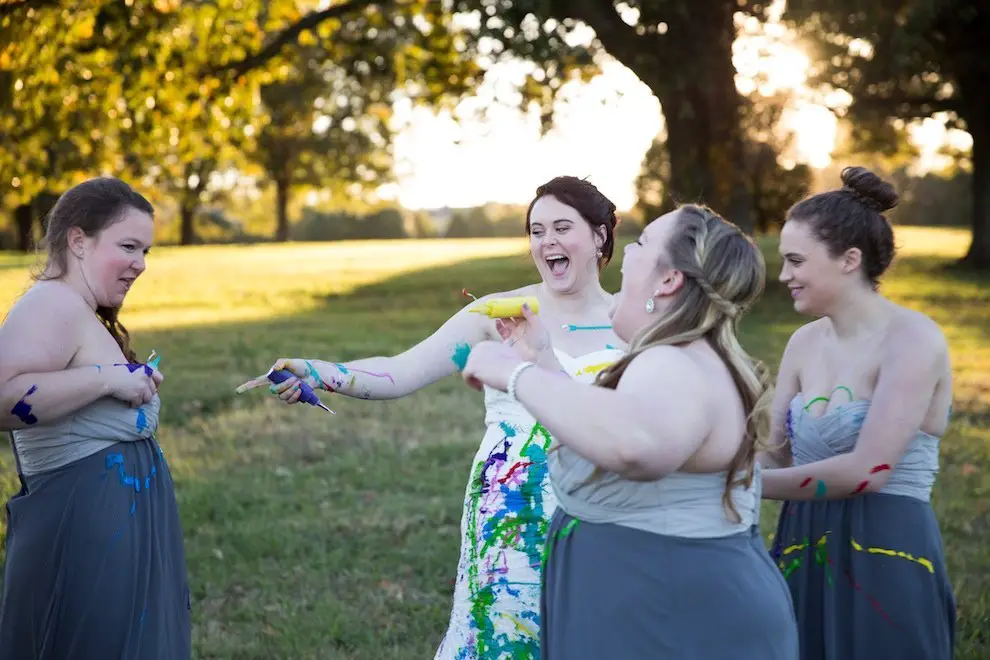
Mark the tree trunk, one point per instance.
(24, 219)
(688, 67)
(979, 249)
(282, 209)
(187, 228)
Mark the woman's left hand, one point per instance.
(491, 363)
(526, 333)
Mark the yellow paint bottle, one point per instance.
(502, 308)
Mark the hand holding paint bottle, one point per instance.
(526, 333)
(292, 380)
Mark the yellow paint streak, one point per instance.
(593, 368)
(894, 553)
(522, 625)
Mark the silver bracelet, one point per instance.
(521, 367)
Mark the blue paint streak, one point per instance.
(507, 429)
(22, 409)
(126, 479)
(609, 347)
(342, 368)
(460, 356)
(142, 419)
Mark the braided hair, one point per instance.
(724, 273)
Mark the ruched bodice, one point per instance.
(88, 430)
(834, 433)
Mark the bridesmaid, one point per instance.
(654, 551)
(863, 397)
(95, 564)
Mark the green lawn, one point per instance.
(310, 536)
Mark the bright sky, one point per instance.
(602, 131)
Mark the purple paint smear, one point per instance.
(22, 409)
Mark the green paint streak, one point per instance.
(483, 596)
(820, 489)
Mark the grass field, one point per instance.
(311, 536)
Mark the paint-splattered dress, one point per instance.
(508, 504)
(95, 565)
(867, 573)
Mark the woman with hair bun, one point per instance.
(863, 397)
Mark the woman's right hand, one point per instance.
(135, 384)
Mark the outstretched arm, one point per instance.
(910, 370)
(439, 355)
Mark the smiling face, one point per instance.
(563, 245)
(111, 260)
(815, 278)
(644, 277)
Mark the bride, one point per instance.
(508, 502)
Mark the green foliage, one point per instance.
(901, 61)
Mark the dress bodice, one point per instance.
(93, 427)
(834, 433)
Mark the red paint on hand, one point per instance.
(861, 487)
(805, 482)
(879, 468)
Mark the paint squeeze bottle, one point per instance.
(503, 308)
(307, 395)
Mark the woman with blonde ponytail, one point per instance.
(655, 550)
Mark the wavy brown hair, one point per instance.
(724, 274)
(92, 205)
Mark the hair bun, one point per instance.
(869, 190)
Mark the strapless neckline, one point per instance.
(857, 403)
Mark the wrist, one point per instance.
(514, 377)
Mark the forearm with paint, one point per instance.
(41, 398)
(382, 378)
(834, 478)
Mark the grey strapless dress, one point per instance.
(866, 573)
(644, 570)
(95, 567)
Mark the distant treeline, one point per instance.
(928, 200)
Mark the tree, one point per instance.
(681, 49)
(53, 108)
(908, 60)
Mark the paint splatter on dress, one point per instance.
(95, 564)
(866, 573)
(508, 504)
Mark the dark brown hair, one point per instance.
(92, 205)
(581, 195)
(724, 274)
(852, 217)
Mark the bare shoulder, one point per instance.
(51, 302)
(662, 367)
(914, 334)
(40, 332)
